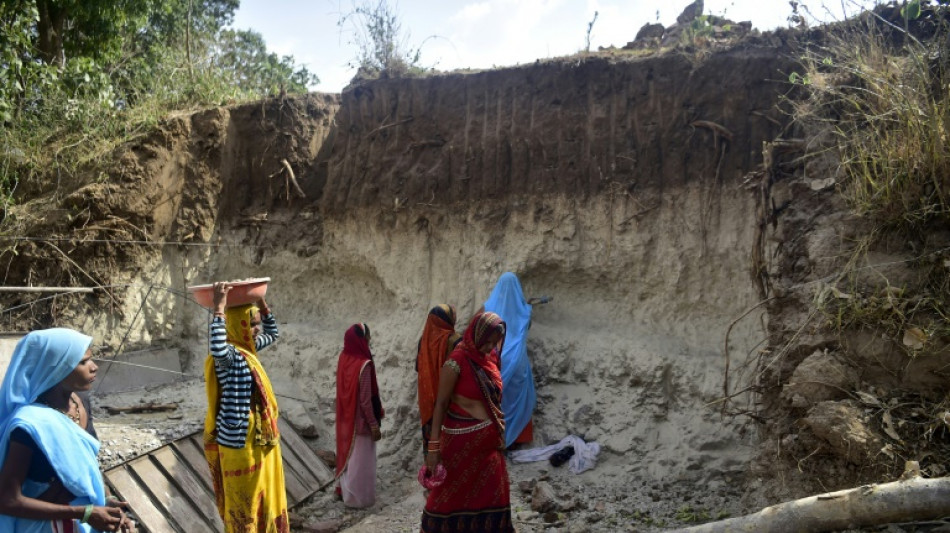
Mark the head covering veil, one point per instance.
(484, 365)
(518, 402)
(41, 360)
(355, 359)
(433, 349)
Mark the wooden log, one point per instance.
(141, 408)
(914, 499)
(47, 289)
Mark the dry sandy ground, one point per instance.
(603, 499)
(614, 496)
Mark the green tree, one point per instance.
(244, 58)
(108, 52)
(79, 76)
(173, 20)
(187, 25)
(87, 28)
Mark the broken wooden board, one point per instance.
(170, 490)
(295, 444)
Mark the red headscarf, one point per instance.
(438, 331)
(354, 357)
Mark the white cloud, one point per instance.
(288, 47)
(472, 12)
(505, 32)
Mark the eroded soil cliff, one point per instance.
(619, 185)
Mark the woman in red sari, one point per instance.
(468, 437)
(358, 415)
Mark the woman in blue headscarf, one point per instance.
(49, 478)
(518, 396)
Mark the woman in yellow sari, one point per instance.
(242, 442)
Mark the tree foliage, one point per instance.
(244, 59)
(78, 76)
(115, 50)
(384, 49)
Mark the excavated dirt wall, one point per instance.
(614, 185)
(578, 127)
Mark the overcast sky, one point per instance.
(483, 34)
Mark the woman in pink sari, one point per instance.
(358, 415)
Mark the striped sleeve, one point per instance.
(236, 387)
(222, 352)
(269, 333)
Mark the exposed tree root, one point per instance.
(913, 499)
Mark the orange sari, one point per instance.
(438, 340)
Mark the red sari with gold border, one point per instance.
(475, 495)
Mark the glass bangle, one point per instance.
(86, 514)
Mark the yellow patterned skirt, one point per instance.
(249, 485)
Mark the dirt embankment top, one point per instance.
(578, 126)
(167, 190)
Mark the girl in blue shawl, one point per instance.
(518, 395)
(49, 479)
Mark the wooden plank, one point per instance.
(296, 489)
(198, 440)
(177, 506)
(128, 489)
(293, 462)
(195, 458)
(314, 464)
(186, 480)
(170, 490)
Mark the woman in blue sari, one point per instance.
(49, 478)
(518, 394)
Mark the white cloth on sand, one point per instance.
(584, 458)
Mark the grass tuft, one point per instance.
(886, 97)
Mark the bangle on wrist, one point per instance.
(86, 514)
